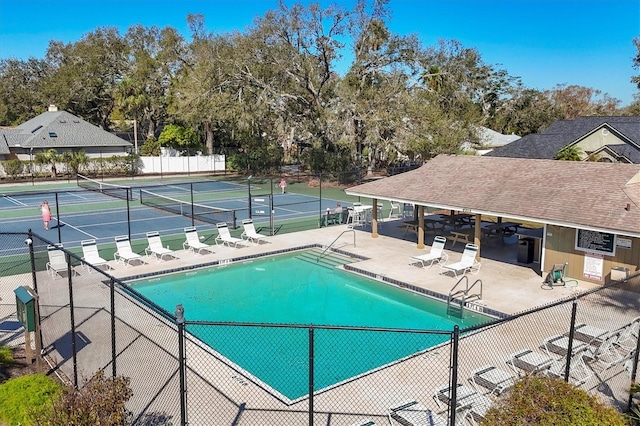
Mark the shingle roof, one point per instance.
(59, 129)
(587, 195)
(564, 132)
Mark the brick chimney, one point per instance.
(53, 108)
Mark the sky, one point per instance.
(544, 42)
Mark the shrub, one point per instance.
(546, 401)
(24, 398)
(13, 167)
(6, 356)
(100, 402)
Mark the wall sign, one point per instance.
(623, 242)
(596, 242)
(593, 265)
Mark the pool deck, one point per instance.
(507, 288)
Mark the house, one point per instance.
(61, 131)
(589, 212)
(608, 139)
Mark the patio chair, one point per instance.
(467, 263)
(493, 379)
(630, 334)
(607, 352)
(250, 233)
(57, 263)
(224, 236)
(124, 253)
(435, 255)
(559, 345)
(192, 242)
(413, 413)
(469, 403)
(156, 249)
(579, 372)
(91, 255)
(529, 361)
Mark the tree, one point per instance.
(569, 153)
(21, 89)
(49, 157)
(636, 62)
(85, 74)
(575, 101)
(546, 401)
(13, 167)
(177, 137)
(75, 161)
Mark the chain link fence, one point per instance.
(216, 373)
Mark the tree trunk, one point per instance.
(209, 139)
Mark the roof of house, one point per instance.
(587, 195)
(59, 129)
(565, 132)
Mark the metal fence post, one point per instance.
(112, 295)
(572, 328)
(634, 370)
(311, 358)
(453, 385)
(72, 319)
(183, 392)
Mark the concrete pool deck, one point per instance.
(219, 390)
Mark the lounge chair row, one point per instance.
(467, 264)
(58, 264)
(594, 351)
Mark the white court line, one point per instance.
(16, 202)
(73, 227)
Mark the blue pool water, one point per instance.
(288, 290)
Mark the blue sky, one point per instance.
(545, 42)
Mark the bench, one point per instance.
(465, 236)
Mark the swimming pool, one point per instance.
(286, 289)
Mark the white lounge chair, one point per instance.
(529, 361)
(224, 236)
(492, 378)
(124, 253)
(630, 334)
(469, 403)
(467, 263)
(57, 263)
(607, 352)
(91, 255)
(435, 255)
(156, 249)
(413, 413)
(250, 233)
(192, 242)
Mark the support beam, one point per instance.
(374, 219)
(421, 227)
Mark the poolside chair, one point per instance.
(579, 372)
(467, 263)
(413, 413)
(156, 249)
(124, 253)
(224, 236)
(630, 334)
(250, 233)
(91, 255)
(469, 403)
(57, 263)
(435, 255)
(607, 352)
(493, 379)
(559, 345)
(529, 361)
(192, 242)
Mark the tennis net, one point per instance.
(194, 211)
(118, 191)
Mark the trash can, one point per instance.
(525, 250)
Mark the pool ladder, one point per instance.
(458, 299)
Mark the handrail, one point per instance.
(329, 246)
(465, 292)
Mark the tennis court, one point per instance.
(167, 207)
